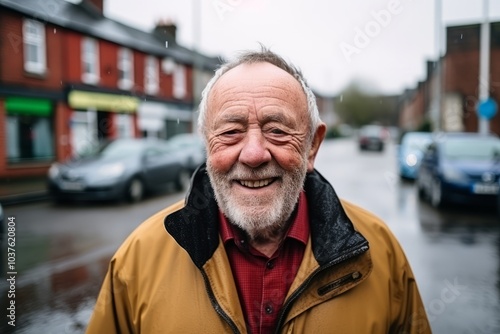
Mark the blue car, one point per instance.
(461, 168)
(411, 150)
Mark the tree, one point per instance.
(357, 107)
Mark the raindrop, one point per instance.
(55, 30)
(178, 121)
(461, 36)
(341, 98)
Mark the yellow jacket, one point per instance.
(172, 274)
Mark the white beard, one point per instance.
(260, 217)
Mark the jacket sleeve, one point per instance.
(112, 309)
(412, 317)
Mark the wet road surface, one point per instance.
(62, 251)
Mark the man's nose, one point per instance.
(255, 152)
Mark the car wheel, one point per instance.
(183, 180)
(135, 190)
(436, 195)
(420, 188)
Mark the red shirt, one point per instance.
(263, 282)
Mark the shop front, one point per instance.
(29, 131)
(164, 120)
(100, 116)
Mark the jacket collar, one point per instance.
(195, 226)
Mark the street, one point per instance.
(62, 251)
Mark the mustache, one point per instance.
(242, 172)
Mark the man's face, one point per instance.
(258, 148)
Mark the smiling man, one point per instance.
(262, 243)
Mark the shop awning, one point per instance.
(28, 106)
(102, 101)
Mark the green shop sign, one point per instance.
(28, 106)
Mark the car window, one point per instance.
(417, 142)
(472, 149)
(121, 148)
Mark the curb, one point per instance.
(24, 198)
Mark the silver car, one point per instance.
(119, 169)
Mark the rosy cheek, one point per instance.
(223, 159)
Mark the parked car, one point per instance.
(410, 152)
(191, 147)
(461, 168)
(119, 169)
(372, 138)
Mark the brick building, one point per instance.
(70, 77)
(459, 68)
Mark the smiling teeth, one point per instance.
(256, 184)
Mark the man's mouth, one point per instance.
(256, 183)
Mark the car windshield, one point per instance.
(373, 131)
(115, 149)
(472, 148)
(417, 142)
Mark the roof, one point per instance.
(84, 18)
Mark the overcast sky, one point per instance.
(383, 43)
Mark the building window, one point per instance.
(151, 73)
(125, 69)
(179, 86)
(34, 47)
(90, 61)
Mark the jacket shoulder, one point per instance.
(365, 221)
(150, 234)
(380, 237)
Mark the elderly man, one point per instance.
(262, 244)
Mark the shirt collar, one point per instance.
(299, 230)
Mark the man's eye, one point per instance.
(277, 132)
(230, 132)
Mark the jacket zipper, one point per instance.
(216, 305)
(363, 248)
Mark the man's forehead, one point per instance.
(256, 72)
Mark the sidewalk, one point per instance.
(16, 191)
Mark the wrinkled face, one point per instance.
(258, 149)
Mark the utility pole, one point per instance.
(197, 62)
(484, 69)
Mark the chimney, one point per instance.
(166, 31)
(95, 5)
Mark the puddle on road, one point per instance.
(55, 300)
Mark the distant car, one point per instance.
(461, 168)
(372, 138)
(191, 148)
(119, 169)
(410, 152)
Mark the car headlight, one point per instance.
(454, 175)
(54, 171)
(411, 160)
(111, 170)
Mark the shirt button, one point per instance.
(269, 309)
(270, 264)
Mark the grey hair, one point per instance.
(252, 57)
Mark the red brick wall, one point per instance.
(12, 55)
(462, 76)
(495, 87)
(72, 53)
(139, 59)
(62, 131)
(108, 63)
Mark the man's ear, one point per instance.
(319, 135)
